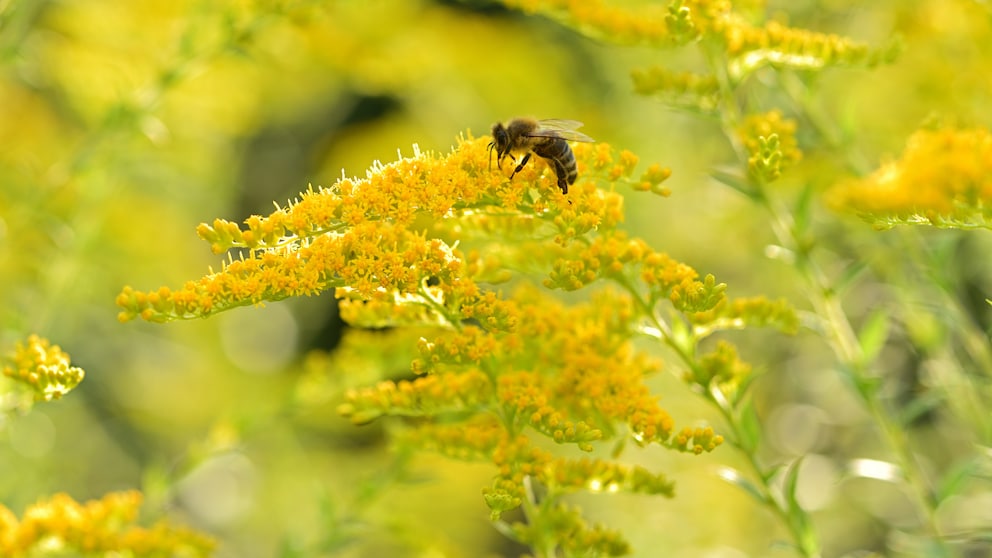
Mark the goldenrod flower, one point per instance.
(360, 235)
(775, 44)
(600, 18)
(418, 244)
(943, 178)
(685, 89)
(697, 440)
(770, 140)
(721, 368)
(564, 525)
(738, 313)
(597, 475)
(747, 46)
(102, 527)
(44, 367)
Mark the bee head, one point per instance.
(501, 143)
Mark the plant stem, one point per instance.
(844, 342)
(804, 537)
(826, 302)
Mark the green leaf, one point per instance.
(955, 480)
(734, 477)
(803, 210)
(920, 405)
(850, 275)
(736, 180)
(874, 333)
(749, 427)
(740, 396)
(789, 488)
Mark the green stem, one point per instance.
(800, 528)
(844, 342)
(804, 537)
(825, 301)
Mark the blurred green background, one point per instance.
(125, 124)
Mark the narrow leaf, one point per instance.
(874, 333)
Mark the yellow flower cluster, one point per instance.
(473, 440)
(361, 235)
(770, 140)
(683, 21)
(484, 438)
(601, 18)
(596, 475)
(721, 368)
(778, 45)
(564, 525)
(697, 91)
(523, 394)
(697, 440)
(429, 395)
(569, 373)
(412, 245)
(61, 526)
(44, 367)
(738, 313)
(613, 255)
(943, 178)
(374, 259)
(455, 349)
(584, 373)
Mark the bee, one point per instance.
(547, 139)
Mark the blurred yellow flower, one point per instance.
(943, 178)
(61, 526)
(44, 367)
(770, 140)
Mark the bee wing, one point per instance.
(559, 124)
(560, 128)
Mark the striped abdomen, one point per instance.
(560, 156)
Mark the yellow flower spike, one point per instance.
(628, 160)
(739, 313)
(942, 179)
(694, 296)
(684, 89)
(323, 264)
(604, 476)
(346, 235)
(413, 244)
(43, 367)
(495, 313)
(771, 142)
(425, 396)
(601, 19)
(602, 156)
(572, 533)
(469, 346)
(683, 21)
(98, 527)
(680, 23)
(721, 368)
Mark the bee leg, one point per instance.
(562, 176)
(520, 167)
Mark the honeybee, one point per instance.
(547, 139)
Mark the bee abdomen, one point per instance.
(560, 154)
